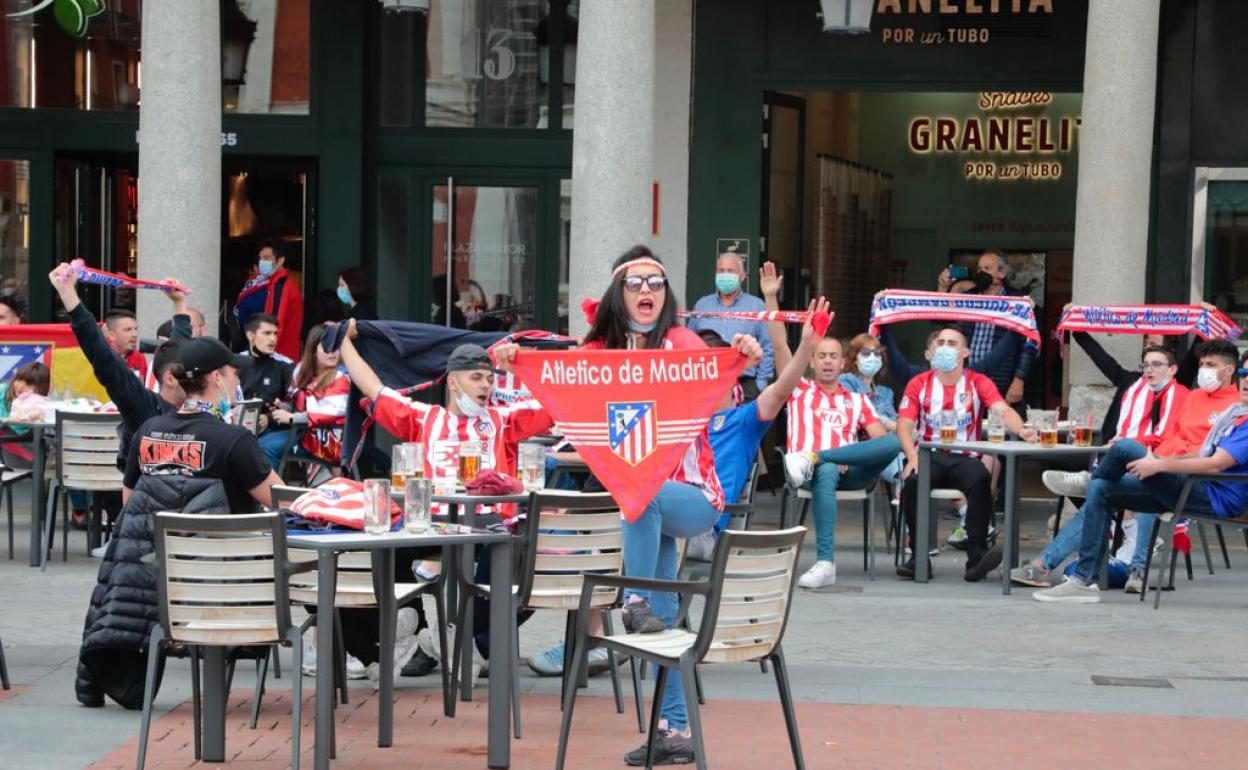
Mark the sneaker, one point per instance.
(640, 619)
(670, 748)
(1030, 575)
(799, 468)
(309, 653)
(978, 567)
(820, 575)
(421, 664)
(1069, 591)
(356, 668)
(1067, 483)
(405, 623)
(957, 538)
(404, 648)
(1135, 581)
(548, 663)
(99, 551)
(906, 569)
(425, 642)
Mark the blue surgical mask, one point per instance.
(344, 296)
(869, 363)
(1157, 387)
(640, 328)
(223, 407)
(727, 283)
(266, 267)
(944, 359)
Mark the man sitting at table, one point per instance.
(1131, 476)
(951, 387)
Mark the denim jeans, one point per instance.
(273, 443)
(1112, 487)
(677, 511)
(1069, 536)
(866, 460)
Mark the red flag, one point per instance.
(631, 414)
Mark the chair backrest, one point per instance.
(86, 451)
(284, 495)
(569, 535)
(222, 579)
(751, 590)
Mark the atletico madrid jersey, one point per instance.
(1135, 411)
(327, 412)
(822, 419)
(970, 398)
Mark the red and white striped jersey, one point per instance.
(1135, 411)
(500, 429)
(508, 390)
(826, 419)
(327, 413)
(970, 397)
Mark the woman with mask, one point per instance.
(356, 292)
(865, 362)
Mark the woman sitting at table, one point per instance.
(319, 398)
(34, 379)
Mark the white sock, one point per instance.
(962, 515)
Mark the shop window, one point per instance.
(1226, 244)
(266, 56)
(14, 228)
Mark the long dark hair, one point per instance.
(34, 374)
(611, 322)
(307, 363)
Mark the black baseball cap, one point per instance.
(469, 358)
(207, 354)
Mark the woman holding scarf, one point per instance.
(636, 312)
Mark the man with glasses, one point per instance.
(729, 296)
(1131, 476)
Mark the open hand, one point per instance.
(769, 280)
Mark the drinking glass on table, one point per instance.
(469, 461)
(376, 506)
(948, 426)
(532, 462)
(1081, 428)
(406, 460)
(417, 504)
(1046, 423)
(996, 427)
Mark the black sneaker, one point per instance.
(419, 665)
(978, 569)
(670, 748)
(906, 569)
(640, 619)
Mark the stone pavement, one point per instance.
(887, 674)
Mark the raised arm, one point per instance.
(1107, 364)
(361, 373)
(773, 398)
(769, 283)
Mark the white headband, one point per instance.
(639, 262)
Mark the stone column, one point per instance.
(612, 144)
(1115, 174)
(180, 156)
(673, 98)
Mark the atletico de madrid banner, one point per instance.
(1148, 319)
(631, 414)
(53, 345)
(1017, 314)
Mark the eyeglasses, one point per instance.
(1242, 372)
(655, 283)
(1154, 365)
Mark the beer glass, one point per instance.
(376, 506)
(469, 461)
(948, 426)
(1047, 425)
(1081, 428)
(417, 504)
(996, 428)
(532, 462)
(406, 460)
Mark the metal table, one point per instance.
(39, 498)
(327, 548)
(1010, 453)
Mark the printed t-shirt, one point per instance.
(199, 445)
(826, 419)
(735, 435)
(970, 397)
(1230, 498)
(1200, 410)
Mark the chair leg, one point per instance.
(1204, 544)
(1057, 517)
(641, 714)
(515, 676)
(277, 662)
(8, 493)
(607, 627)
(697, 684)
(154, 643)
(66, 513)
(866, 536)
(660, 681)
(48, 525)
(262, 670)
(1226, 557)
(196, 716)
(762, 665)
(1187, 562)
(448, 692)
(340, 656)
(569, 638)
(786, 702)
(1167, 550)
(689, 678)
(4, 670)
(461, 614)
(580, 662)
(1148, 565)
(872, 497)
(296, 692)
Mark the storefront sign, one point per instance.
(1001, 131)
(963, 23)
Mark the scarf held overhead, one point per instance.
(631, 414)
(1014, 313)
(1148, 319)
(820, 320)
(118, 281)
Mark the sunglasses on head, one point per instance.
(656, 283)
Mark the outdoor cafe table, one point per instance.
(327, 547)
(1010, 452)
(39, 502)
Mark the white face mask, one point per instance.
(1207, 378)
(468, 406)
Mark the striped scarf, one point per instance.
(1148, 319)
(1014, 313)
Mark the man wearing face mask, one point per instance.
(731, 297)
(274, 291)
(950, 389)
(1008, 373)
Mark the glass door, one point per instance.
(1220, 241)
(96, 220)
(15, 229)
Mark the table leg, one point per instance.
(502, 623)
(383, 569)
(215, 697)
(40, 498)
(326, 586)
(1010, 525)
(923, 515)
(450, 566)
(464, 636)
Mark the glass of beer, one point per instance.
(948, 426)
(1081, 428)
(417, 504)
(376, 506)
(532, 462)
(996, 428)
(406, 460)
(1047, 425)
(469, 460)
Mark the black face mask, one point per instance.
(982, 280)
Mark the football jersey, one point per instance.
(822, 419)
(970, 397)
(327, 413)
(1136, 410)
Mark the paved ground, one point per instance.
(888, 674)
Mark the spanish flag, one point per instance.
(55, 346)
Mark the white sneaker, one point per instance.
(1069, 591)
(98, 551)
(309, 653)
(823, 573)
(429, 645)
(799, 468)
(405, 623)
(404, 648)
(1067, 483)
(356, 668)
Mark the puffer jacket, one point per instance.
(124, 605)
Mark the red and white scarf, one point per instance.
(1017, 314)
(1148, 319)
(120, 281)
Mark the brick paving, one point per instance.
(749, 735)
(14, 691)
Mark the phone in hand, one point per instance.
(959, 273)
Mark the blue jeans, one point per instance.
(1069, 536)
(273, 443)
(866, 460)
(1113, 488)
(678, 510)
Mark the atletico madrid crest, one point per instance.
(632, 430)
